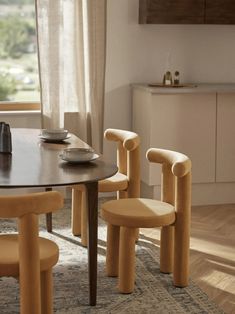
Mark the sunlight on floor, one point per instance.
(221, 280)
(212, 247)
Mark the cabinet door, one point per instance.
(220, 12)
(141, 124)
(171, 11)
(186, 123)
(225, 163)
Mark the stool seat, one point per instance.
(9, 261)
(138, 213)
(118, 182)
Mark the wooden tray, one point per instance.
(171, 86)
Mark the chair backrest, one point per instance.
(176, 177)
(35, 203)
(128, 157)
(27, 208)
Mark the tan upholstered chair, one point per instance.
(172, 214)
(26, 255)
(126, 182)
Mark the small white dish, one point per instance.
(78, 155)
(53, 140)
(94, 157)
(54, 134)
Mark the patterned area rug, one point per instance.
(154, 292)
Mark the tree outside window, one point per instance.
(19, 81)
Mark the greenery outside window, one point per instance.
(19, 79)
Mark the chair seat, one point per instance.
(9, 257)
(118, 182)
(138, 213)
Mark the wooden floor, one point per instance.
(212, 254)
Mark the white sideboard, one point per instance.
(199, 122)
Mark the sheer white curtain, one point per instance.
(71, 44)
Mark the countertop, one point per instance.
(201, 88)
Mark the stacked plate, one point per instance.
(78, 155)
(54, 135)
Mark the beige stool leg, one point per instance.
(166, 249)
(76, 211)
(30, 292)
(181, 259)
(47, 292)
(126, 271)
(122, 194)
(79, 213)
(112, 250)
(182, 234)
(84, 218)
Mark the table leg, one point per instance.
(92, 226)
(49, 216)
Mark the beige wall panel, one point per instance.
(181, 122)
(225, 169)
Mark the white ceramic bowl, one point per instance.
(78, 154)
(54, 134)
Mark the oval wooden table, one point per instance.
(35, 163)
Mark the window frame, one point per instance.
(20, 106)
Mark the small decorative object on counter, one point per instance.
(177, 78)
(5, 138)
(167, 80)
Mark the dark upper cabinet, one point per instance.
(220, 12)
(187, 11)
(171, 11)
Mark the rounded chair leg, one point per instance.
(112, 250)
(181, 257)
(166, 249)
(84, 218)
(182, 234)
(47, 292)
(30, 294)
(76, 211)
(122, 194)
(137, 234)
(126, 271)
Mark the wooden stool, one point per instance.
(26, 255)
(172, 214)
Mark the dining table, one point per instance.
(35, 162)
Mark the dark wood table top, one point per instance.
(35, 163)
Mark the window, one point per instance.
(19, 79)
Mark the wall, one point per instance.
(26, 119)
(142, 53)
